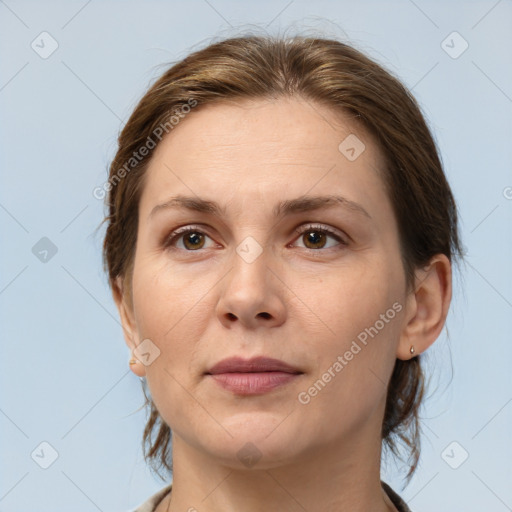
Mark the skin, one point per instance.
(297, 301)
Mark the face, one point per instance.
(261, 272)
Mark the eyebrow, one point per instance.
(283, 208)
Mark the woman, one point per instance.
(279, 245)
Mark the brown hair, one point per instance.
(342, 78)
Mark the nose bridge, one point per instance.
(251, 293)
(249, 267)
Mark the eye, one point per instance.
(192, 239)
(315, 237)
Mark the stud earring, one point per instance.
(412, 349)
(134, 362)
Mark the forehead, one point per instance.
(257, 149)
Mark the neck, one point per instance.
(341, 478)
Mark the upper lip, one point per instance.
(255, 364)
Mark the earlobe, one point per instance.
(137, 367)
(427, 307)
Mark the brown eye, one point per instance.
(192, 239)
(317, 237)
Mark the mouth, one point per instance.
(252, 376)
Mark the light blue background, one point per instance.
(64, 364)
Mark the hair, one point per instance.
(329, 73)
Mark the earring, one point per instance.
(135, 361)
(412, 349)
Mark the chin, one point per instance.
(260, 441)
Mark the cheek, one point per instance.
(172, 311)
(349, 383)
(355, 316)
(161, 296)
(344, 302)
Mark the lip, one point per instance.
(255, 364)
(252, 376)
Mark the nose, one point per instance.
(253, 294)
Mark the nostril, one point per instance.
(265, 315)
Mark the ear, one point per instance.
(128, 322)
(427, 307)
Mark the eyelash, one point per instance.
(178, 233)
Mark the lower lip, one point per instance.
(253, 383)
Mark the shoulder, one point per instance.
(395, 498)
(152, 502)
